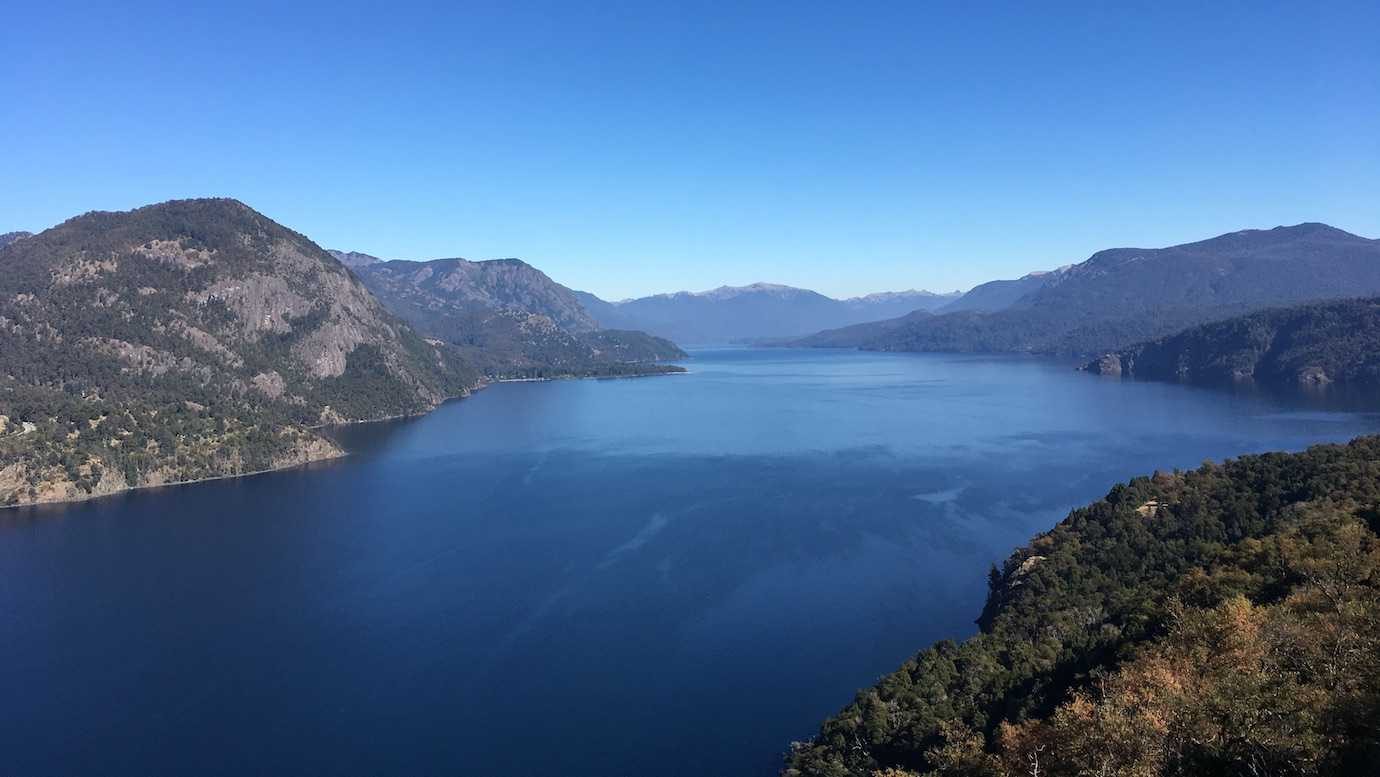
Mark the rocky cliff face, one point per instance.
(458, 285)
(186, 340)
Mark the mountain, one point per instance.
(443, 285)
(731, 314)
(10, 237)
(1220, 621)
(353, 259)
(1124, 295)
(890, 304)
(997, 295)
(191, 339)
(1301, 345)
(510, 320)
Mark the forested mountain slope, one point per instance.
(1222, 621)
(1301, 345)
(996, 295)
(190, 339)
(510, 320)
(1125, 295)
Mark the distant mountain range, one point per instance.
(736, 314)
(1124, 295)
(1303, 345)
(509, 319)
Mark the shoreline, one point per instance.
(657, 374)
(173, 483)
(317, 428)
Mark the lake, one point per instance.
(672, 576)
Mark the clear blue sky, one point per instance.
(632, 148)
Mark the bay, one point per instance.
(674, 575)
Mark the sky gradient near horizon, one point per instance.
(636, 148)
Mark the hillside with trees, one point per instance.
(1304, 345)
(992, 296)
(190, 339)
(1122, 296)
(510, 320)
(1220, 621)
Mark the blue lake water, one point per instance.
(670, 576)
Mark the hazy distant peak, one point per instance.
(731, 314)
(353, 259)
(890, 296)
(727, 292)
(722, 293)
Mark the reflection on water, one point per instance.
(675, 575)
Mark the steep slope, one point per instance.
(996, 295)
(1221, 621)
(10, 237)
(1301, 345)
(190, 339)
(511, 320)
(604, 313)
(447, 285)
(731, 314)
(1124, 295)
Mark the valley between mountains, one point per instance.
(198, 339)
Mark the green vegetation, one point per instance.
(198, 338)
(1222, 621)
(507, 344)
(511, 321)
(1306, 344)
(1123, 296)
(190, 340)
(1053, 330)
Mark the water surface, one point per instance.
(671, 576)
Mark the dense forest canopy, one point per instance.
(1307, 344)
(1221, 621)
